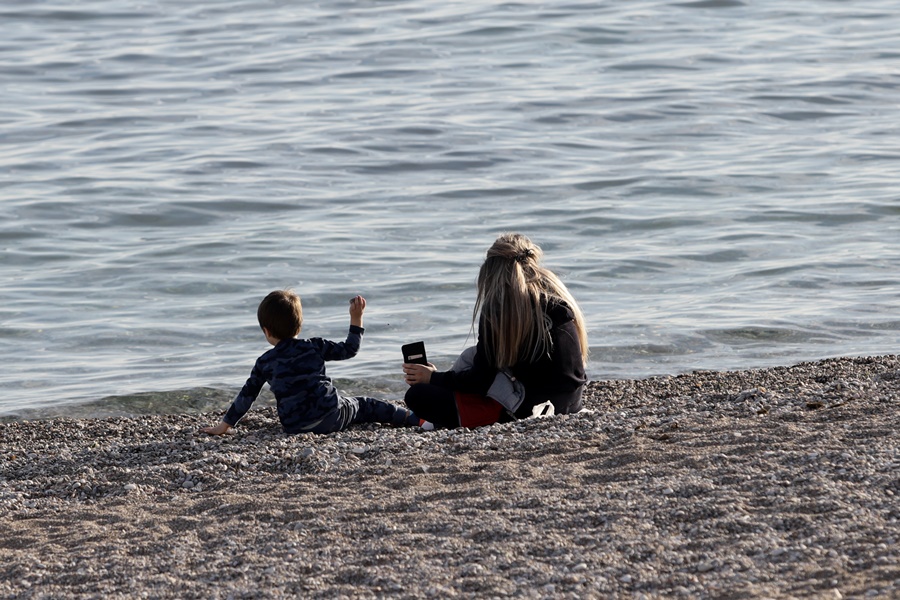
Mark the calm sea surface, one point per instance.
(717, 181)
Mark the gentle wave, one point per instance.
(714, 201)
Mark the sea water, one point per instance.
(717, 182)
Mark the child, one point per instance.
(295, 372)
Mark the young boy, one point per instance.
(295, 372)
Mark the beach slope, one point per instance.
(769, 483)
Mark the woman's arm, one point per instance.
(478, 378)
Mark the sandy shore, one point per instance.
(771, 483)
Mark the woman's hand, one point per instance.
(416, 373)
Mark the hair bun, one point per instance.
(524, 255)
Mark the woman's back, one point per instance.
(558, 375)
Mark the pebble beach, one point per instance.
(766, 483)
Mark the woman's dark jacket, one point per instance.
(557, 376)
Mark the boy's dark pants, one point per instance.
(362, 409)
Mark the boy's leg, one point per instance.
(434, 404)
(373, 410)
(346, 413)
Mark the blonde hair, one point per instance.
(513, 290)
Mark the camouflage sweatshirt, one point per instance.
(295, 372)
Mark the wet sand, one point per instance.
(769, 483)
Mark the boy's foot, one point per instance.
(426, 425)
(405, 418)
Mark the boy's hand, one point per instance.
(357, 306)
(219, 429)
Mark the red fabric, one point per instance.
(476, 410)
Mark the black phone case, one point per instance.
(414, 353)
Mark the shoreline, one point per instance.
(766, 483)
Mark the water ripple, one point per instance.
(715, 201)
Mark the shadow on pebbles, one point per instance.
(769, 483)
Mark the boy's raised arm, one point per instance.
(357, 306)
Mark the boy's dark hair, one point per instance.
(281, 313)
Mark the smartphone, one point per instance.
(414, 353)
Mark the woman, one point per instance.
(530, 330)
